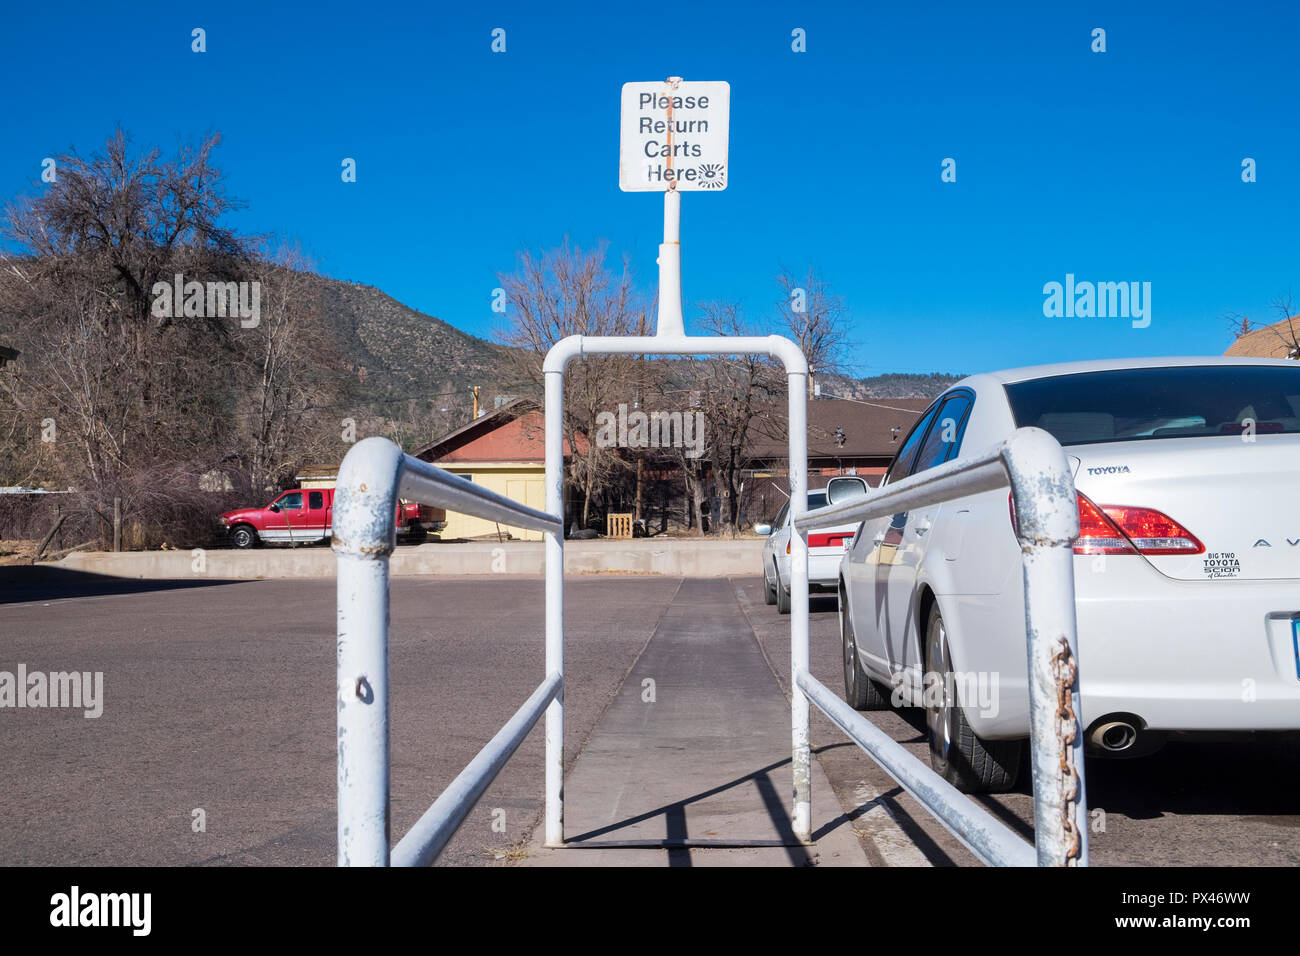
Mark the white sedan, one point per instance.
(1187, 568)
(825, 545)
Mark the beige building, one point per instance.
(503, 451)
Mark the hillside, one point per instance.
(403, 352)
(409, 355)
(890, 385)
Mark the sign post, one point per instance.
(673, 138)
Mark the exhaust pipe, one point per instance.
(1113, 737)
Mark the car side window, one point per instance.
(291, 502)
(315, 500)
(903, 460)
(945, 434)
(779, 523)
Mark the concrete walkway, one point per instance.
(693, 754)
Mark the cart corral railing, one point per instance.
(374, 474)
(1035, 467)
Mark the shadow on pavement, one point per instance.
(21, 584)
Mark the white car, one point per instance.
(825, 545)
(1187, 568)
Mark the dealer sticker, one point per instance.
(1222, 564)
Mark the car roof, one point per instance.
(1008, 376)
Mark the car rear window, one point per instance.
(1142, 404)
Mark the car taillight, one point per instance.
(1124, 529)
(1151, 531)
(832, 540)
(1097, 533)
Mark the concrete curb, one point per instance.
(695, 558)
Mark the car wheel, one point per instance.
(416, 534)
(782, 596)
(769, 589)
(860, 691)
(243, 536)
(959, 756)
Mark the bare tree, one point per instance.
(815, 317)
(1287, 329)
(121, 398)
(734, 393)
(570, 291)
(1239, 324)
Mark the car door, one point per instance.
(769, 546)
(315, 517)
(871, 554)
(284, 518)
(909, 533)
(780, 539)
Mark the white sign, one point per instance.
(674, 133)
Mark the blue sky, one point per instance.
(1120, 166)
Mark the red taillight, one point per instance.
(1097, 533)
(832, 540)
(1123, 529)
(1151, 531)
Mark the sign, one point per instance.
(674, 133)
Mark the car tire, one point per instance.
(782, 597)
(243, 536)
(957, 754)
(860, 691)
(415, 534)
(769, 589)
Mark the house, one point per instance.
(844, 438)
(317, 476)
(504, 451)
(1279, 340)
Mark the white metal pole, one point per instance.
(555, 604)
(801, 758)
(362, 704)
(1047, 512)
(670, 268)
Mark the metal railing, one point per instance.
(374, 474)
(1035, 467)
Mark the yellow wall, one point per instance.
(524, 483)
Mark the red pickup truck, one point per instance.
(305, 515)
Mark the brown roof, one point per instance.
(487, 422)
(870, 430)
(1279, 340)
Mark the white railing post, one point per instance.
(554, 784)
(365, 501)
(801, 756)
(1047, 523)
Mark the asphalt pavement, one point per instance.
(216, 741)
